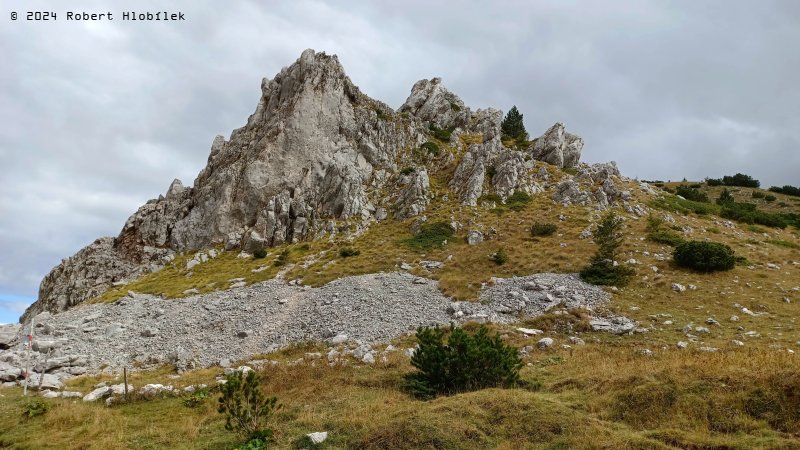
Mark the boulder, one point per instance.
(432, 103)
(474, 237)
(8, 335)
(557, 147)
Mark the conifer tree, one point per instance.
(512, 126)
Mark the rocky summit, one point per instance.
(316, 152)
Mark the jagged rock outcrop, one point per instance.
(84, 275)
(513, 173)
(315, 151)
(558, 147)
(432, 103)
(470, 174)
(414, 194)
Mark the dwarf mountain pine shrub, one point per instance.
(464, 363)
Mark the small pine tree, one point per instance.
(601, 270)
(608, 237)
(512, 126)
(246, 408)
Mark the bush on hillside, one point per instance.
(788, 190)
(442, 134)
(714, 181)
(465, 363)
(770, 198)
(518, 200)
(601, 270)
(748, 213)
(499, 257)
(667, 237)
(692, 194)
(725, 198)
(432, 148)
(260, 254)
(347, 252)
(431, 235)
(245, 406)
(704, 256)
(543, 229)
(740, 180)
(757, 194)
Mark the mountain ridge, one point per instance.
(315, 151)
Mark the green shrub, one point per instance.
(441, 134)
(725, 198)
(770, 198)
(197, 398)
(407, 171)
(740, 180)
(258, 441)
(260, 254)
(714, 181)
(601, 270)
(245, 406)
(518, 200)
(696, 186)
(748, 213)
(382, 115)
(704, 256)
(788, 190)
(665, 237)
(35, 407)
(465, 363)
(682, 206)
(348, 252)
(431, 235)
(691, 194)
(543, 229)
(782, 243)
(491, 171)
(283, 258)
(757, 194)
(432, 148)
(605, 273)
(499, 257)
(654, 223)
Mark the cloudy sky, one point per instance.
(98, 117)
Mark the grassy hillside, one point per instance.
(606, 394)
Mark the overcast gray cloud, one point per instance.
(99, 117)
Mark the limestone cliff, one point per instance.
(316, 150)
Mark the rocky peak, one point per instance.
(315, 150)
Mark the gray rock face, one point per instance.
(308, 152)
(471, 171)
(558, 147)
(85, 275)
(315, 150)
(432, 103)
(414, 194)
(8, 335)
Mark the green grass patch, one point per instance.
(431, 235)
(674, 204)
(782, 243)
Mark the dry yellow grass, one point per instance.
(595, 396)
(602, 395)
